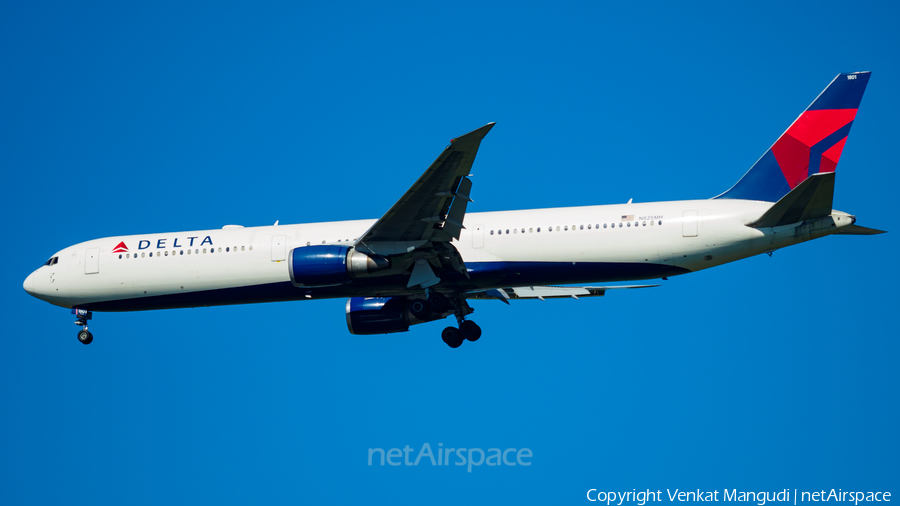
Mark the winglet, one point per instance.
(475, 135)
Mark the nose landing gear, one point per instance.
(82, 316)
(85, 336)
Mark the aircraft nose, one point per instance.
(28, 285)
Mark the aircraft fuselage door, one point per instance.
(279, 248)
(689, 224)
(478, 236)
(92, 261)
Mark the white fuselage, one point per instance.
(518, 248)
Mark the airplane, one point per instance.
(427, 257)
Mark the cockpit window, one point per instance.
(52, 261)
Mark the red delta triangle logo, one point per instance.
(120, 248)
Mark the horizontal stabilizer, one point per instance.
(857, 230)
(809, 200)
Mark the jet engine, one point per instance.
(386, 315)
(331, 265)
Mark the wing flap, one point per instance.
(549, 292)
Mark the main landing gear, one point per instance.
(82, 316)
(467, 331)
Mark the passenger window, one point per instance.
(530, 230)
(539, 229)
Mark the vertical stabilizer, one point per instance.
(811, 145)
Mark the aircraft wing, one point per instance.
(548, 292)
(432, 210)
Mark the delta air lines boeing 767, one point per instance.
(427, 257)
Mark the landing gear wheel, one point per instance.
(85, 337)
(438, 303)
(470, 330)
(452, 337)
(419, 308)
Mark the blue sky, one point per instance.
(765, 374)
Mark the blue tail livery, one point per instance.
(811, 145)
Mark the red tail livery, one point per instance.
(812, 144)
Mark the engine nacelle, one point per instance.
(384, 315)
(377, 315)
(331, 265)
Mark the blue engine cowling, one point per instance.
(324, 265)
(377, 315)
(331, 265)
(386, 315)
